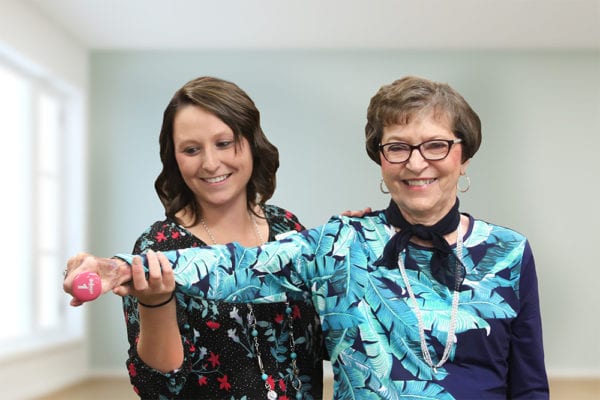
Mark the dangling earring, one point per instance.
(464, 189)
(382, 187)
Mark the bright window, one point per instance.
(38, 140)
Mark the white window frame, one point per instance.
(69, 323)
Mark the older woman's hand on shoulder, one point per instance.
(357, 213)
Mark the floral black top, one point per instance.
(219, 355)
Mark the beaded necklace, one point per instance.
(269, 383)
(451, 339)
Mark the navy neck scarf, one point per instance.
(443, 261)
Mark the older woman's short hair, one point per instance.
(404, 99)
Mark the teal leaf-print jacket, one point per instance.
(368, 319)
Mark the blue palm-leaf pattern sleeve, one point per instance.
(371, 331)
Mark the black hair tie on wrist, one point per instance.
(159, 304)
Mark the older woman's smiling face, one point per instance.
(423, 190)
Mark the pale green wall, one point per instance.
(535, 171)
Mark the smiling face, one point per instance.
(423, 190)
(212, 164)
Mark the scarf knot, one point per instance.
(422, 232)
(450, 274)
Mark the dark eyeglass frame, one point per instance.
(450, 143)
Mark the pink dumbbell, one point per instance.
(87, 286)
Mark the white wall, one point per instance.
(47, 48)
(37, 45)
(536, 170)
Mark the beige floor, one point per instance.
(120, 389)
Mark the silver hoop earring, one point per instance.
(464, 189)
(382, 187)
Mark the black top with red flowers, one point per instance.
(219, 353)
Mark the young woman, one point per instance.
(218, 173)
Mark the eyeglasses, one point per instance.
(431, 150)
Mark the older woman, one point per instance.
(418, 300)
